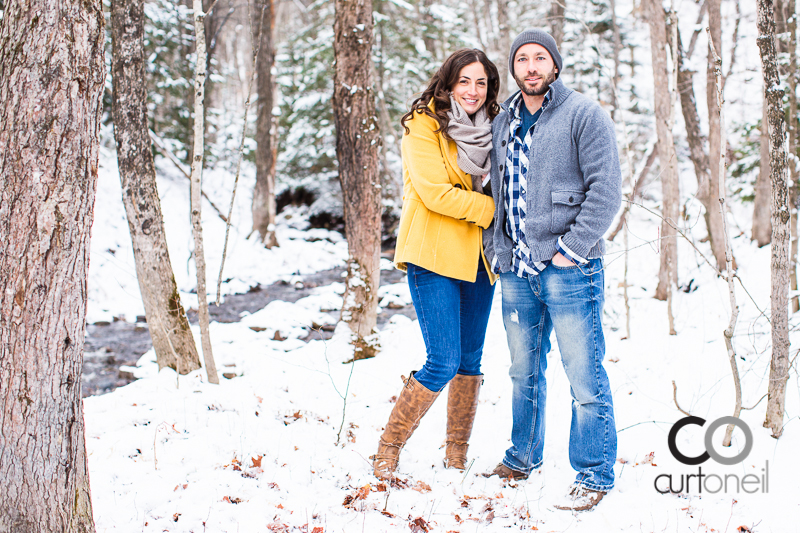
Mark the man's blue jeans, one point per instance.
(453, 315)
(569, 300)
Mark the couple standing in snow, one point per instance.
(523, 192)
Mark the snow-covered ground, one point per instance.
(284, 444)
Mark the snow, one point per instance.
(113, 288)
(277, 448)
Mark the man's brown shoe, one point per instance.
(581, 498)
(412, 404)
(462, 404)
(504, 472)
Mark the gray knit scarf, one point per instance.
(473, 139)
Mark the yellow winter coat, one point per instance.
(443, 218)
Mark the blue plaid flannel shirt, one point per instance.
(517, 163)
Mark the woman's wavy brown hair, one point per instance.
(443, 82)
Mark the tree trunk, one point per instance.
(357, 144)
(617, 51)
(667, 274)
(762, 226)
(713, 215)
(196, 190)
(52, 74)
(504, 45)
(779, 299)
(428, 36)
(791, 119)
(697, 154)
(264, 208)
(691, 118)
(169, 327)
(391, 183)
(557, 8)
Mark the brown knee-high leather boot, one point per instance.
(462, 403)
(412, 404)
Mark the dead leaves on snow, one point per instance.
(418, 525)
(301, 415)
(359, 494)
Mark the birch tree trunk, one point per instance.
(713, 216)
(264, 208)
(166, 319)
(762, 225)
(779, 299)
(667, 274)
(197, 187)
(357, 144)
(52, 74)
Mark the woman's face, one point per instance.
(470, 89)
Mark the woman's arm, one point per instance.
(428, 173)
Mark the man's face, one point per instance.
(534, 69)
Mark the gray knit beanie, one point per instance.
(539, 37)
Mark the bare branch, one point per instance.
(241, 151)
(172, 157)
(675, 398)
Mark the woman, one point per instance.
(445, 158)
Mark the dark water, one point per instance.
(109, 346)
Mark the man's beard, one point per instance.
(543, 88)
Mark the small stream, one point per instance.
(111, 345)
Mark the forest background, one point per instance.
(269, 132)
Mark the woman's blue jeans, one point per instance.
(569, 300)
(452, 315)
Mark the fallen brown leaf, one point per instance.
(419, 525)
(421, 486)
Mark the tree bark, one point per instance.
(706, 195)
(691, 118)
(729, 332)
(166, 319)
(196, 189)
(791, 119)
(357, 144)
(667, 274)
(713, 216)
(52, 74)
(428, 37)
(762, 226)
(779, 298)
(504, 45)
(557, 8)
(264, 208)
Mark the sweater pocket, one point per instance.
(566, 206)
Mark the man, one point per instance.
(556, 184)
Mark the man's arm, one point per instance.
(598, 158)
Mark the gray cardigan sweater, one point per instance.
(574, 180)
